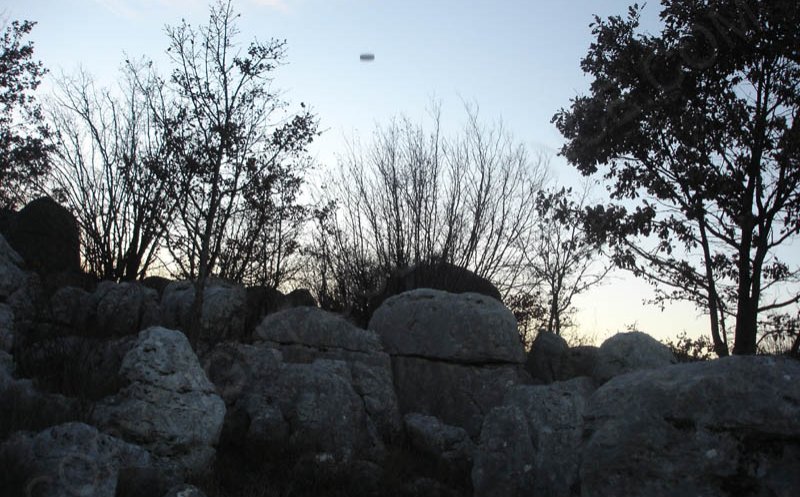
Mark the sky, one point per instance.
(518, 60)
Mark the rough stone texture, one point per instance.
(547, 359)
(119, 309)
(459, 395)
(465, 328)
(223, 315)
(450, 446)
(46, 235)
(300, 297)
(12, 277)
(727, 427)
(554, 414)
(504, 458)
(309, 409)
(170, 407)
(632, 351)
(68, 460)
(304, 334)
(6, 328)
(581, 361)
(68, 311)
(184, 491)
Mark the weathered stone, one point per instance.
(450, 446)
(632, 351)
(504, 458)
(68, 460)
(581, 361)
(184, 490)
(719, 428)
(170, 407)
(459, 395)
(119, 309)
(304, 334)
(465, 328)
(223, 314)
(12, 277)
(6, 328)
(554, 414)
(547, 359)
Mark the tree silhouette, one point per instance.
(695, 128)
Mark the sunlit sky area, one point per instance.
(519, 60)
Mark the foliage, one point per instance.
(23, 134)
(687, 349)
(695, 131)
(238, 163)
(560, 257)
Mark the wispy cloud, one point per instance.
(273, 4)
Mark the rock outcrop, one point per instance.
(453, 355)
(632, 351)
(169, 406)
(727, 427)
(223, 314)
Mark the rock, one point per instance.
(449, 446)
(261, 301)
(504, 458)
(304, 334)
(6, 328)
(157, 283)
(68, 460)
(184, 490)
(12, 277)
(453, 355)
(223, 314)
(547, 359)
(581, 361)
(236, 368)
(300, 297)
(169, 406)
(459, 395)
(120, 309)
(435, 275)
(68, 311)
(724, 427)
(309, 410)
(633, 351)
(554, 414)
(46, 235)
(465, 328)
(76, 366)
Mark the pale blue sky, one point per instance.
(517, 59)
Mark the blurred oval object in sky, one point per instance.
(367, 57)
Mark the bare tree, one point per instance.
(414, 196)
(107, 168)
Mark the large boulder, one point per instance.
(548, 465)
(304, 334)
(467, 328)
(453, 355)
(727, 427)
(547, 359)
(47, 237)
(632, 351)
(223, 314)
(169, 406)
(68, 460)
(120, 309)
(12, 276)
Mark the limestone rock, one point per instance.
(304, 334)
(466, 328)
(547, 359)
(223, 314)
(169, 407)
(6, 328)
(504, 458)
(68, 460)
(450, 446)
(119, 309)
(632, 351)
(721, 428)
